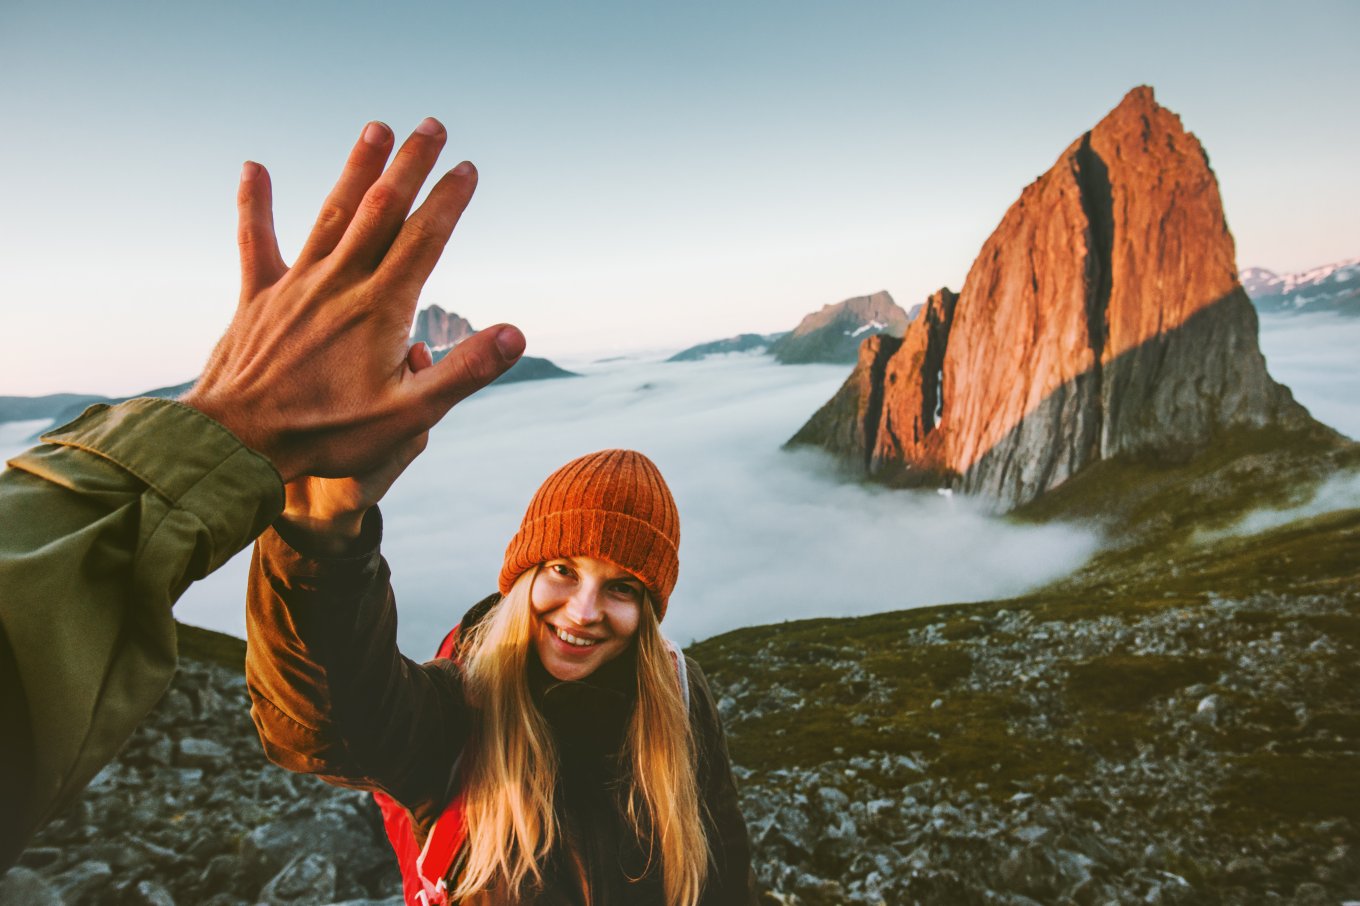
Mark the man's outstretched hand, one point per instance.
(313, 371)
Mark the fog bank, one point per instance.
(767, 534)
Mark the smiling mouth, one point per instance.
(574, 640)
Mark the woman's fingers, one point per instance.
(261, 263)
(387, 201)
(422, 238)
(419, 357)
(364, 166)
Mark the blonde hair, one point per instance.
(512, 768)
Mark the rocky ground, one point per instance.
(191, 812)
(1181, 731)
(1078, 806)
(1184, 730)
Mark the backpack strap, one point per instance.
(419, 864)
(681, 669)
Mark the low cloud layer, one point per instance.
(1316, 356)
(768, 535)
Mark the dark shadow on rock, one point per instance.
(1165, 400)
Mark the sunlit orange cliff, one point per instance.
(1103, 316)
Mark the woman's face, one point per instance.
(586, 611)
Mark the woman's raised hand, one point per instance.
(314, 370)
(331, 510)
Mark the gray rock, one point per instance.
(1246, 870)
(186, 777)
(175, 709)
(201, 753)
(149, 893)
(1208, 710)
(224, 872)
(1311, 894)
(1033, 833)
(84, 882)
(25, 887)
(309, 878)
(1075, 868)
(39, 856)
(350, 841)
(160, 752)
(223, 898)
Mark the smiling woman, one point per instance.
(563, 752)
(587, 614)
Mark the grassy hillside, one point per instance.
(1189, 694)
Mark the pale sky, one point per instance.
(652, 175)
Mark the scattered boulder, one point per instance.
(22, 886)
(308, 878)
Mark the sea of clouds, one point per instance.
(768, 534)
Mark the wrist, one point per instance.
(249, 431)
(332, 535)
(345, 525)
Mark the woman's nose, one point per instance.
(584, 605)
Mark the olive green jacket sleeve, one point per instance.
(101, 529)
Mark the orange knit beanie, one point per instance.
(612, 505)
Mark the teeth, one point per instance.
(573, 640)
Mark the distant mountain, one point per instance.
(1331, 287)
(531, 368)
(442, 330)
(29, 408)
(71, 411)
(1102, 319)
(439, 329)
(528, 368)
(834, 333)
(746, 342)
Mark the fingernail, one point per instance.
(249, 170)
(376, 133)
(430, 126)
(510, 342)
(464, 169)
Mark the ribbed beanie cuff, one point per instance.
(612, 505)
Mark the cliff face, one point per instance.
(1102, 316)
(834, 333)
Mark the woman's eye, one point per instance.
(626, 590)
(561, 569)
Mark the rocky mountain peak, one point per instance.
(834, 332)
(1103, 316)
(440, 329)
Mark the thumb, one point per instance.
(469, 366)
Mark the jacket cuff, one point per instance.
(287, 552)
(300, 547)
(187, 458)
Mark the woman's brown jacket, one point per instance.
(333, 696)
